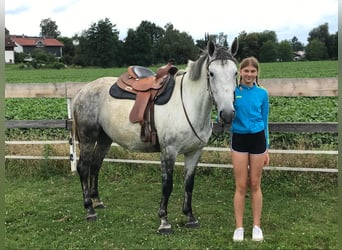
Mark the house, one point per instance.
(9, 50)
(28, 44)
(298, 55)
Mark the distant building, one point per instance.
(9, 50)
(28, 44)
(298, 55)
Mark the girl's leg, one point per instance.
(257, 162)
(240, 167)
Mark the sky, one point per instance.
(288, 18)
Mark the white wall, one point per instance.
(9, 56)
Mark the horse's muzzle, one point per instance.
(227, 117)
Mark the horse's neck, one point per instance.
(198, 100)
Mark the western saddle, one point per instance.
(147, 86)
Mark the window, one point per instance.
(40, 44)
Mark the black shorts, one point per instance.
(249, 143)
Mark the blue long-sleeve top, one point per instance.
(251, 110)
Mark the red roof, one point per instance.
(32, 41)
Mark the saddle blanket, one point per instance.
(161, 99)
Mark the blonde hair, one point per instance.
(250, 61)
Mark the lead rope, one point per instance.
(186, 114)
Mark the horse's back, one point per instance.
(95, 109)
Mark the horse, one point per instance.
(183, 125)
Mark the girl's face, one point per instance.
(248, 74)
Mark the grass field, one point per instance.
(46, 212)
(43, 201)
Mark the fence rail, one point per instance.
(276, 87)
(201, 164)
(312, 127)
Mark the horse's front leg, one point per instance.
(167, 165)
(191, 161)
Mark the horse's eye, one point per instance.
(211, 74)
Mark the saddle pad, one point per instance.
(161, 99)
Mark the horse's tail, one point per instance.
(74, 129)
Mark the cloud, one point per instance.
(62, 7)
(18, 9)
(287, 18)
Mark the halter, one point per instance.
(210, 91)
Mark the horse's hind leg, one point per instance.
(83, 167)
(102, 146)
(191, 161)
(92, 152)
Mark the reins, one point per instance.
(186, 113)
(209, 89)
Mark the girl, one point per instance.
(249, 145)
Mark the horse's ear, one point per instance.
(211, 48)
(206, 37)
(235, 46)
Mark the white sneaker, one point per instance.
(238, 234)
(257, 234)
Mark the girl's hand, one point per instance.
(267, 159)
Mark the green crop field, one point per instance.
(268, 70)
(43, 200)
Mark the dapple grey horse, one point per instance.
(183, 125)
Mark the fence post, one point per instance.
(72, 141)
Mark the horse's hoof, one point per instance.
(165, 227)
(91, 217)
(192, 224)
(165, 231)
(98, 205)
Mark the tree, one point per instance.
(252, 45)
(177, 45)
(320, 33)
(333, 46)
(138, 48)
(248, 45)
(296, 45)
(99, 45)
(155, 33)
(267, 35)
(268, 51)
(68, 50)
(316, 50)
(49, 28)
(285, 51)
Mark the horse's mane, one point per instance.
(195, 67)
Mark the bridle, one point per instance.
(230, 57)
(209, 89)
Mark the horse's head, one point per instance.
(222, 73)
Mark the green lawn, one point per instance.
(300, 211)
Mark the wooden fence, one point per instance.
(275, 87)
